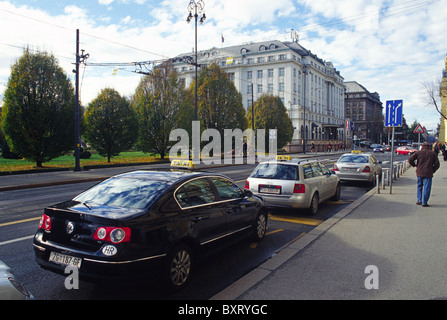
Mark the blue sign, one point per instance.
(393, 113)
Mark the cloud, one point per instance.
(105, 2)
(389, 46)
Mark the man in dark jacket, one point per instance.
(426, 162)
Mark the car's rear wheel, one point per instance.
(179, 267)
(314, 204)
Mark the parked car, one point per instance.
(294, 184)
(146, 223)
(405, 150)
(10, 287)
(357, 166)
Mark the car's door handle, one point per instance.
(229, 210)
(196, 219)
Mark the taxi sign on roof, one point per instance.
(356, 151)
(182, 163)
(283, 158)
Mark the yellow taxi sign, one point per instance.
(182, 163)
(356, 151)
(283, 158)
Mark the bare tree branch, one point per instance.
(433, 92)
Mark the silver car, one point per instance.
(10, 288)
(294, 184)
(357, 166)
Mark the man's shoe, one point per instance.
(425, 205)
(418, 203)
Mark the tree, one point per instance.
(270, 113)
(219, 103)
(39, 108)
(433, 92)
(159, 103)
(111, 125)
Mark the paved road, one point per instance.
(217, 272)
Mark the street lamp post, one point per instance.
(195, 9)
(305, 73)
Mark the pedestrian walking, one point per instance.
(444, 150)
(426, 162)
(312, 147)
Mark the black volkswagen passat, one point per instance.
(133, 222)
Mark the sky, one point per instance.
(389, 46)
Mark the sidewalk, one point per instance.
(406, 242)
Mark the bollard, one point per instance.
(378, 183)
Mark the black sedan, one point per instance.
(145, 221)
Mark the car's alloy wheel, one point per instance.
(260, 226)
(179, 267)
(314, 205)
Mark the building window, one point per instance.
(270, 87)
(259, 88)
(270, 73)
(249, 74)
(260, 74)
(281, 72)
(249, 88)
(281, 86)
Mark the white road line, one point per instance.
(16, 240)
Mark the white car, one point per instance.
(357, 166)
(10, 288)
(294, 184)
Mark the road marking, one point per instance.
(18, 221)
(16, 240)
(274, 231)
(300, 220)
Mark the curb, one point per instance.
(238, 288)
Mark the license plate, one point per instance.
(65, 259)
(273, 190)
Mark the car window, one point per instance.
(316, 170)
(307, 171)
(324, 169)
(353, 159)
(123, 192)
(194, 193)
(275, 171)
(226, 188)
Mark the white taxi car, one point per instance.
(294, 184)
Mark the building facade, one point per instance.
(311, 89)
(365, 110)
(443, 94)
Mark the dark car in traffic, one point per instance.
(144, 221)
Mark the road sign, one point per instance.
(393, 114)
(419, 129)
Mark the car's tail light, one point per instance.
(299, 188)
(367, 169)
(112, 234)
(247, 185)
(335, 168)
(45, 222)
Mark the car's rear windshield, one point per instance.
(275, 171)
(353, 159)
(123, 192)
